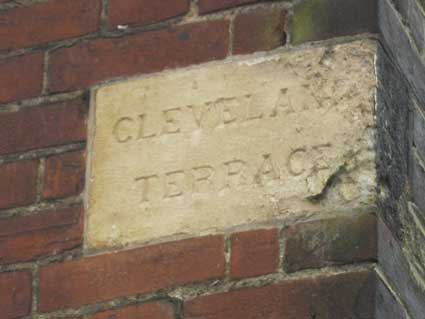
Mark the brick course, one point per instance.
(91, 62)
(15, 294)
(18, 183)
(143, 270)
(21, 77)
(347, 296)
(64, 175)
(143, 12)
(154, 310)
(43, 126)
(51, 20)
(254, 253)
(47, 233)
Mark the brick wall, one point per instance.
(401, 151)
(51, 53)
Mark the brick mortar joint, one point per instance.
(184, 293)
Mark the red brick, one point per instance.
(44, 22)
(154, 310)
(31, 237)
(254, 253)
(21, 77)
(259, 30)
(90, 62)
(335, 241)
(18, 183)
(142, 12)
(64, 175)
(104, 277)
(348, 296)
(206, 6)
(15, 294)
(44, 126)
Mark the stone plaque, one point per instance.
(200, 150)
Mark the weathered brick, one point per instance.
(18, 183)
(15, 294)
(348, 296)
(91, 62)
(44, 126)
(254, 253)
(154, 310)
(259, 30)
(64, 175)
(21, 77)
(26, 26)
(48, 233)
(142, 12)
(318, 20)
(206, 6)
(143, 270)
(327, 242)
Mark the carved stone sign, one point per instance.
(200, 150)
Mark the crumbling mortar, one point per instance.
(35, 289)
(44, 100)
(227, 253)
(41, 207)
(176, 296)
(104, 14)
(40, 179)
(66, 255)
(40, 153)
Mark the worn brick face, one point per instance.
(44, 126)
(52, 20)
(15, 294)
(327, 242)
(104, 277)
(64, 175)
(91, 62)
(154, 310)
(21, 77)
(254, 253)
(206, 6)
(348, 296)
(142, 12)
(48, 233)
(259, 30)
(18, 183)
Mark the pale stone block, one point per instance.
(200, 150)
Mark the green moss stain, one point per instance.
(311, 21)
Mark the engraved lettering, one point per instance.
(146, 183)
(202, 179)
(294, 162)
(120, 130)
(198, 112)
(283, 103)
(142, 127)
(252, 112)
(171, 125)
(234, 173)
(229, 106)
(267, 171)
(174, 184)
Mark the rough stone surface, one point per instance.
(199, 150)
